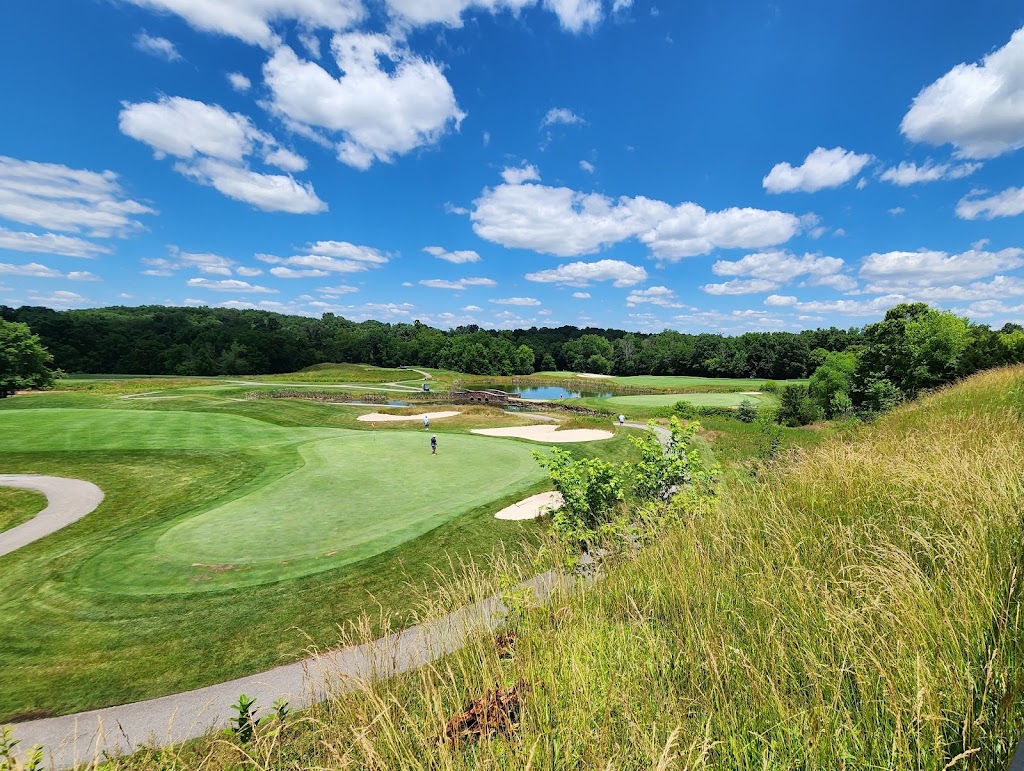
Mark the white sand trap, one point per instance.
(750, 393)
(592, 375)
(547, 433)
(376, 417)
(532, 507)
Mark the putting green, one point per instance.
(324, 498)
(667, 400)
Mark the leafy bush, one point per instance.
(747, 411)
(796, 407)
(770, 387)
(592, 491)
(880, 396)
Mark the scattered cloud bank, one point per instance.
(569, 223)
(57, 197)
(50, 243)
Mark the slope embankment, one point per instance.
(858, 606)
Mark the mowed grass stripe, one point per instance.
(67, 430)
(667, 400)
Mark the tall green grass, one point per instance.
(857, 607)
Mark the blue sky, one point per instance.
(702, 166)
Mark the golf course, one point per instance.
(247, 528)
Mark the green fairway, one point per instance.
(674, 381)
(667, 400)
(18, 506)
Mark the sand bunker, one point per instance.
(592, 375)
(532, 507)
(380, 417)
(750, 393)
(547, 433)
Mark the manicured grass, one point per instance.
(667, 400)
(674, 381)
(81, 631)
(18, 506)
(338, 373)
(351, 498)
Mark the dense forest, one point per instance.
(154, 340)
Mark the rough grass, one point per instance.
(18, 506)
(859, 607)
(682, 382)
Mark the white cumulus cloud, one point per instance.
(622, 274)
(378, 111)
(573, 15)
(821, 169)
(908, 173)
(581, 295)
(229, 285)
(214, 146)
(561, 116)
(239, 82)
(459, 257)
(49, 243)
(909, 271)
(654, 295)
(978, 108)
(462, 283)
(521, 301)
(253, 20)
(1008, 203)
(741, 286)
(36, 270)
(160, 47)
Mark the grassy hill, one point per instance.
(858, 606)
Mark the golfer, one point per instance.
(433, 445)
(426, 423)
(622, 420)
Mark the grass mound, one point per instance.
(859, 607)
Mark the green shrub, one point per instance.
(796, 407)
(770, 387)
(747, 411)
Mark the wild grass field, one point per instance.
(856, 605)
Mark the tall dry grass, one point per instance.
(858, 608)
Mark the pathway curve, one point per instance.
(67, 501)
(82, 737)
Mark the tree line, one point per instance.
(160, 340)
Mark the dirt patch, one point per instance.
(213, 568)
(496, 712)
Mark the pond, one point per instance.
(547, 393)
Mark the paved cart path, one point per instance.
(82, 737)
(67, 501)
